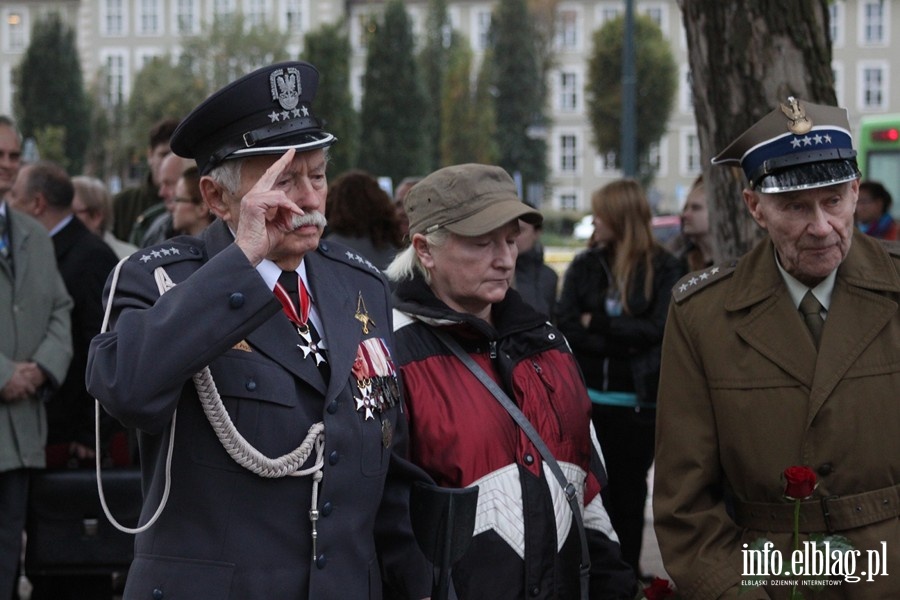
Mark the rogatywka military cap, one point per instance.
(468, 200)
(797, 146)
(267, 111)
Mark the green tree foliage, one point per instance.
(520, 94)
(440, 39)
(329, 50)
(162, 89)
(467, 125)
(229, 49)
(50, 101)
(395, 143)
(656, 73)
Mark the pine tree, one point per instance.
(520, 96)
(440, 39)
(394, 141)
(51, 104)
(328, 49)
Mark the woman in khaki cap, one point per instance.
(453, 281)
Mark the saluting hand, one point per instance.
(266, 213)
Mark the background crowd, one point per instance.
(61, 237)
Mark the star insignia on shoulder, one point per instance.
(693, 282)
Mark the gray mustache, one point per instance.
(311, 218)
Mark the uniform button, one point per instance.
(529, 459)
(535, 590)
(250, 385)
(158, 594)
(333, 458)
(236, 300)
(321, 561)
(332, 407)
(825, 469)
(326, 509)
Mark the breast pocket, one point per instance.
(262, 400)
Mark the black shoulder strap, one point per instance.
(526, 426)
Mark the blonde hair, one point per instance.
(407, 263)
(96, 198)
(624, 209)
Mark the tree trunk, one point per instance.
(746, 56)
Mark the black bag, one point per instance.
(67, 532)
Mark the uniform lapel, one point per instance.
(856, 316)
(335, 302)
(276, 338)
(773, 327)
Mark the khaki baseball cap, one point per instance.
(468, 200)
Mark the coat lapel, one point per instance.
(276, 338)
(335, 301)
(858, 313)
(773, 327)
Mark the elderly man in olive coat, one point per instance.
(788, 358)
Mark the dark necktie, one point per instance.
(812, 314)
(295, 302)
(4, 239)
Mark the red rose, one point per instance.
(658, 590)
(799, 483)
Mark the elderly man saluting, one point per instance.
(282, 321)
(790, 358)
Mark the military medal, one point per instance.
(362, 314)
(300, 319)
(376, 381)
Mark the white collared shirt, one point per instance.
(270, 272)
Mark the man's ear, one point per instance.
(423, 250)
(752, 200)
(215, 197)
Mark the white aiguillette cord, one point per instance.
(240, 450)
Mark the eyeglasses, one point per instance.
(185, 200)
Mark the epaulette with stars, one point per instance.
(347, 255)
(166, 253)
(696, 281)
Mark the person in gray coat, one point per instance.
(297, 335)
(35, 351)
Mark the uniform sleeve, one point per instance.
(699, 542)
(156, 343)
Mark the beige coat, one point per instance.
(744, 395)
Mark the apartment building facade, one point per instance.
(117, 37)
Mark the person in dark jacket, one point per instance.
(535, 281)
(613, 311)
(455, 276)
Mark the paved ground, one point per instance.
(651, 561)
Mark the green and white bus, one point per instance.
(878, 147)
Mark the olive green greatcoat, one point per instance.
(744, 395)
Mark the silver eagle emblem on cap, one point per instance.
(285, 86)
(798, 122)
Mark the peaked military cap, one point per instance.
(267, 111)
(797, 146)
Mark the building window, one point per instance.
(607, 12)
(16, 31)
(873, 22)
(256, 13)
(148, 19)
(223, 9)
(568, 92)
(873, 86)
(686, 92)
(837, 71)
(690, 153)
(186, 21)
(657, 14)
(606, 163)
(568, 154)
(365, 27)
(114, 17)
(115, 79)
(836, 22)
(568, 201)
(567, 30)
(654, 157)
(482, 29)
(293, 16)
